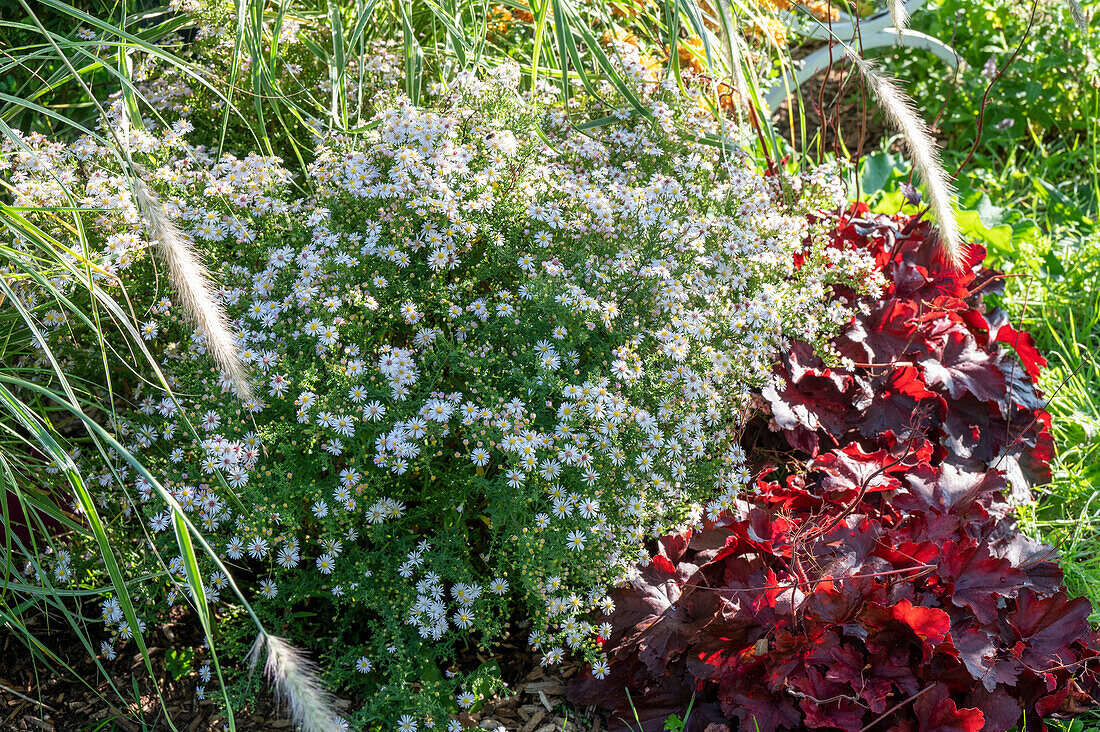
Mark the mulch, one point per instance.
(36, 698)
(538, 705)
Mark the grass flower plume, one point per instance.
(899, 16)
(191, 282)
(923, 151)
(296, 684)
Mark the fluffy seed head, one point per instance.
(899, 16)
(294, 678)
(191, 282)
(924, 153)
(1078, 14)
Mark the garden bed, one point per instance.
(533, 699)
(501, 368)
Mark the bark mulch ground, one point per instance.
(35, 698)
(538, 705)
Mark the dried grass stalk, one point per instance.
(296, 683)
(191, 282)
(924, 153)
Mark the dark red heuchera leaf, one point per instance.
(850, 470)
(929, 623)
(959, 367)
(1043, 624)
(887, 581)
(977, 579)
(1024, 346)
(936, 712)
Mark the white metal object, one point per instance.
(874, 32)
(844, 26)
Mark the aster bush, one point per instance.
(487, 359)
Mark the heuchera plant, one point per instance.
(882, 582)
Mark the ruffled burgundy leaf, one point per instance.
(875, 572)
(1047, 626)
(959, 367)
(935, 711)
(979, 653)
(852, 469)
(977, 579)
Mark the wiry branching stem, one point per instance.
(191, 283)
(294, 678)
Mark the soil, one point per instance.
(36, 698)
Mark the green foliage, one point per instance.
(178, 662)
(1044, 91)
(44, 409)
(63, 65)
(293, 71)
(273, 78)
(674, 723)
(1037, 148)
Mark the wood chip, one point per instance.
(533, 722)
(552, 687)
(18, 710)
(509, 702)
(24, 697)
